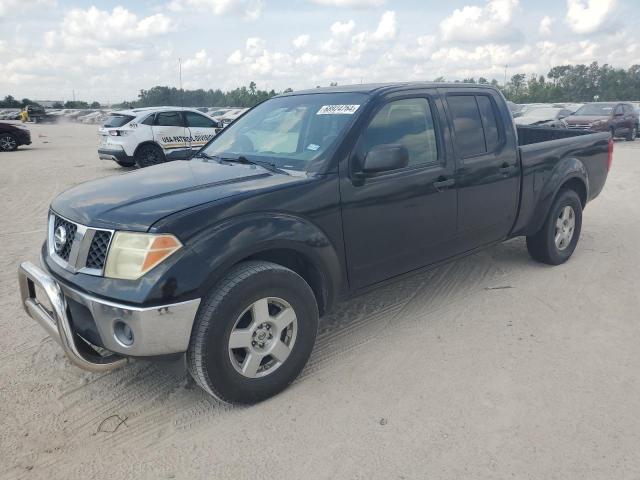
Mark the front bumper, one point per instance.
(155, 331)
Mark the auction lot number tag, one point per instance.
(338, 110)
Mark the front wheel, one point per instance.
(632, 135)
(253, 333)
(557, 239)
(8, 142)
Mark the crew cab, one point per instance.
(308, 198)
(148, 136)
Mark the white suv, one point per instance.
(147, 136)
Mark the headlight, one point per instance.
(131, 255)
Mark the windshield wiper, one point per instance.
(244, 160)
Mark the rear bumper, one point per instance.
(115, 154)
(155, 331)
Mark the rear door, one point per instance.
(488, 174)
(201, 129)
(403, 219)
(170, 133)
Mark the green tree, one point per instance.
(95, 105)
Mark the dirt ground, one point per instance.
(490, 367)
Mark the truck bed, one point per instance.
(548, 152)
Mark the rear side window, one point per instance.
(169, 119)
(148, 120)
(198, 121)
(475, 124)
(115, 121)
(467, 124)
(407, 122)
(489, 122)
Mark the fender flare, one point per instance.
(567, 171)
(253, 235)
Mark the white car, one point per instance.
(147, 136)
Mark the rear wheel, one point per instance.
(126, 164)
(558, 237)
(148, 155)
(253, 333)
(631, 136)
(8, 142)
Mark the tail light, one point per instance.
(610, 154)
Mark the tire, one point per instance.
(8, 142)
(613, 132)
(230, 308)
(126, 164)
(631, 136)
(148, 155)
(564, 222)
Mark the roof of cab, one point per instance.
(381, 88)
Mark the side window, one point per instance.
(198, 121)
(407, 122)
(489, 122)
(169, 119)
(467, 125)
(618, 110)
(148, 120)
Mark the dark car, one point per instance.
(309, 197)
(12, 136)
(618, 118)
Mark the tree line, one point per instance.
(564, 83)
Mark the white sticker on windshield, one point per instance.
(313, 147)
(338, 110)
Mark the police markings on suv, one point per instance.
(148, 136)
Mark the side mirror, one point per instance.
(383, 158)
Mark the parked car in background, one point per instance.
(231, 115)
(148, 136)
(618, 118)
(547, 116)
(310, 197)
(12, 136)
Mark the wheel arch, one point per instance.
(147, 142)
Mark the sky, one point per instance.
(108, 51)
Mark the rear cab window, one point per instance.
(115, 121)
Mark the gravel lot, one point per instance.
(490, 367)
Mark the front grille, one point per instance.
(70, 228)
(98, 250)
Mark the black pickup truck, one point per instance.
(308, 198)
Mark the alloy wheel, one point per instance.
(263, 337)
(565, 226)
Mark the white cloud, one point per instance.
(544, 28)
(343, 28)
(589, 16)
(199, 61)
(473, 24)
(111, 57)
(15, 7)
(251, 9)
(351, 3)
(385, 32)
(301, 41)
(94, 27)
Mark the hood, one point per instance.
(584, 119)
(532, 120)
(136, 200)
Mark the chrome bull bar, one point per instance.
(57, 323)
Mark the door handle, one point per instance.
(505, 169)
(444, 184)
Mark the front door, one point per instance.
(201, 130)
(170, 133)
(403, 219)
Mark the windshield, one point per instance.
(544, 113)
(596, 109)
(117, 120)
(289, 132)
